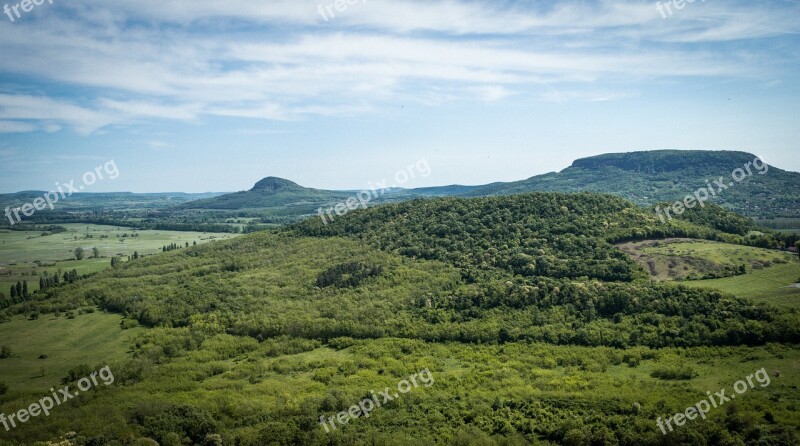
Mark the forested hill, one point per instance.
(661, 161)
(541, 234)
(538, 267)
(647, 178)
(281, 195)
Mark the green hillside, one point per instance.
(535, 327)
(276, 195)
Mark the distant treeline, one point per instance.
(163, 224)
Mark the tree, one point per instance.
(13, 291)
(96, 252)
(25, 288)
(79, 253)
(135, 255)
(797, 245)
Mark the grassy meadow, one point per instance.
(676, 259)
(770, 275)
(25, 255)
(774, 285)
(92, 337)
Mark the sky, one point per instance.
(211, 96)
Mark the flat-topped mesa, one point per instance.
(275, 184)
(666, 160)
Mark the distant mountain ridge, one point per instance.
(645, 178)
(663, 160)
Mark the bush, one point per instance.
(5, 352)
(128, 324)
(341, 343)
(3, 388)
(674, 373)
(162, 421)
(76, 373)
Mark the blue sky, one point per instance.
(205, 95)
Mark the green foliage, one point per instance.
(718, 218)
(159, 420)
(347, 275)
(5, 352)
(553, 235)
(127, 324)
(76, 373)
(3, 388)
(674, 372)
(252, 340)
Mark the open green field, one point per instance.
(774, 285)
(676, 259)
(90, 338)
(25, 255)
(771, 275)
(785, 225)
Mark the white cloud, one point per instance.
(16, 127)
(279, 60)
(40, 108)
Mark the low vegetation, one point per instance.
(534, 326)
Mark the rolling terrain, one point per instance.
(534, 326)
(645, 178)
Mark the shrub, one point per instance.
(128, 324)
(675, 372)
(341, 343)
(3, 388)
(5, 352)
(76, 373)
